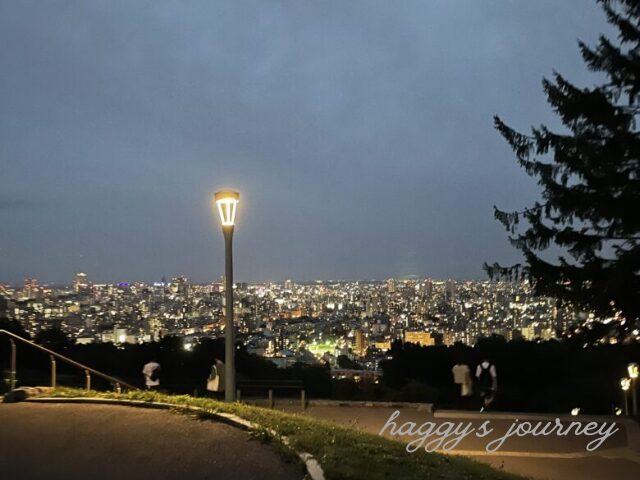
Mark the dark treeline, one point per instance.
(553, 376)
(182, 371)
(548, 376)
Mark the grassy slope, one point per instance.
(343, 453)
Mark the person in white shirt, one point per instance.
(215, 382)
(151, 372)
(462, 377)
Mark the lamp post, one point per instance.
(625, 383)
(227, 203)
(632, 368)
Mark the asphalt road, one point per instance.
(541, 458)
(45, 441)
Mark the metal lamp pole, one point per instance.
(633, 375)
(625, 383)
(229, 335)
(227, 202)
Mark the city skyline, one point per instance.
(218, 279)
(418, 310)
(360, 138)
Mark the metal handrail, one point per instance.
(52, 354)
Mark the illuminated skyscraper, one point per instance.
(391, 285)
(31, 288)
(80, 283)
(360, 343)
(450, 290)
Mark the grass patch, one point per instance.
(343, 453)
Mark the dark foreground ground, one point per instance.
(112, 442)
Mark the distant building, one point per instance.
(391, 286)
(31, 289)
(528, 333)
(422, 338)
(360, 342)
(450, 291)
(80, 284)
(448, 338)
(383, 345)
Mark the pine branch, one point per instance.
(590, 180)
(628, 31)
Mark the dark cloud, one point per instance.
(359, 133)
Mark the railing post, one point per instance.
(53, 356)
(271, 398)
(12, 378)
(53, 371)
(87, 380)
(238, 395)
(303, 399)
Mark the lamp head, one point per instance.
(625, 383)
(633, 370)
(227, 202)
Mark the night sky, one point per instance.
(359, 134)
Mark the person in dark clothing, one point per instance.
(487, 378)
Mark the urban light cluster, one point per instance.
(288, 321)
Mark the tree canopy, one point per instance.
(581, 240)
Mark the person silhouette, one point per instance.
(215, 381)
(151, 372)
(487, 378)
(462, 377)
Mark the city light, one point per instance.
(633, 370)
(625, 383)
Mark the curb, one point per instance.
(314, 470)
(421, 407)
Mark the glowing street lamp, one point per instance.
(227, 204)
(625, 383)
(632, 368)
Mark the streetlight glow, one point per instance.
(632, 368)
(227, 202)
(625, 383)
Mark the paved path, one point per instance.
(551, 458)
(45, 441)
